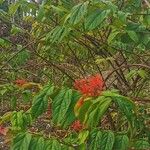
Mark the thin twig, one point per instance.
(54, 65)
(126, 66)
(147, 3)
(16, 54)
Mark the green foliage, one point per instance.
(24, 141)
(57, 34)
(121, 142)
(125, 105)
(101, 140)
(107, 137)
(95, 139)
(96, 111)
(13, 8)
(133, 35)
(95, 19)
(15, 30)
(72, 40)
(83, 136)
(21, 58)
(77, 13)
(141, 144)
(20, 120)
(40, 102)
(21, 141)
(62, 107)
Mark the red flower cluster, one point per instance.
(20, 82)
(3, 130)
(90, 86)
(77, 126)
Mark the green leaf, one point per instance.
(3, 91)
(27, 118)
(107, 140)
(95, 19)
(141, 145)
(125, 105)
(83, 136)
(60, 105)
(41, 13)
(15, 30)
(2, 41)
(131, 74)
(70, 116)
(40, 102)
(112, 36)
(77, 13)
(27, 95)
(121, 142)
(133, 36)
(13, 8)
(24, 141)
(110, 5)
(59, 9)
(40, 144)
(96, 112)
(143, 74)
(146, 19)
(39, 106)
(21, 141)
(48, 144)
(122, 16)
(56, 145)
(90, 113)
(82, 111)
(125, 39)
(20, 120)
(95, 139)
(6, 117)
(21, 58)
(57, 34)
(13, 102)
(33, 143)
(1, 2)
(17, 120)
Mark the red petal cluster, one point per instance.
(3, 131)
(20, 82)
(77, 126)
(90, 86)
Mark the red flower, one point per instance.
(20, 82)
(90, 86)
(77, 126)
(3, 131)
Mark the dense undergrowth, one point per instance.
(75, 74)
